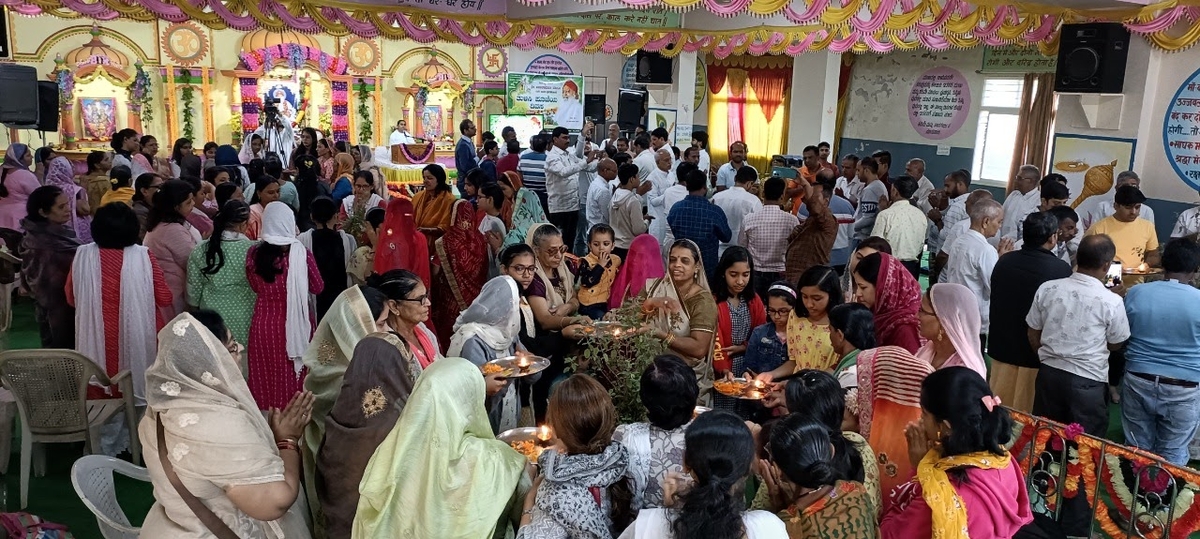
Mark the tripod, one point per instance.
(273, 136)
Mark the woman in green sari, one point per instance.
(527, 213)
(351, 317)
(440, 472)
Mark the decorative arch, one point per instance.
(483, 103)
(422, 52)
(44, 49)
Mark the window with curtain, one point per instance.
(748, 104)
(996, 135)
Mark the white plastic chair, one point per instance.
(92, 477)
(50, 386)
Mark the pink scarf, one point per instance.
(958, 312)
(642, 263)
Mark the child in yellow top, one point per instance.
(597, 271)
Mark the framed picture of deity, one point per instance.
(431, 122)
(97, 117)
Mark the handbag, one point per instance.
(206, 516)
(28, 526)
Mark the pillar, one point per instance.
(812, 113)
(67, 124)
(135, 118)
(685, 78)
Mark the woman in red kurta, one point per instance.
(460, 266)
(119, 307)
(282, 324)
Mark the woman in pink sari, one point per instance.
(950, 321)
(643, 263)
(61, 174)
(894, 297)
(888, 397)
(967, 485)
(17, 182)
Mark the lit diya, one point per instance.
(528, 441)
(607, 328)
(1142, 269)
(741, 388)
(522, 364)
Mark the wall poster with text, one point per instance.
(558, 98)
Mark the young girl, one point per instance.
(766, 350)
(808, 327)
(851, 330)
(266, 191)
(363, 259)
(597, 271)
(331, 248)
(739, 311)
(581, 492)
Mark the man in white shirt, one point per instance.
(658, 140)
(738, 203)
(1024, 199)
(562, 182)
(1073, 324)
(972, 258)
(599, 195)
(401, 135)
(916, 168)
(1068, 233)
(848, 185)
(508, 134)
(700, 143)
(949, 208)
(903, 225)
(660, 179)
(614, 133)
(280, 139)
(643, 156)
(1095, 208)
(737, 160)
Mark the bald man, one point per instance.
(972, 258)
(599, 194)
(952, 232)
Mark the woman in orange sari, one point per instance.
(459, 270)
(889, 397)
(400, 245)
(433, 204)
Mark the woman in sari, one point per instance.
(399, 245)
(889, 381)
(17, 182)
(509, 183)
(950, 321)
(967, 484)
(551, 296)
(464, 485)
(460, 267)
(683, 314)
(266, 191)
(889, 290)
(488, 330)
(434, 202)
(350, 319)
(283, 273)
(60, 173)
(216, 271)
(46, 252)
(527, 213)
(203, 426)
(643, 264)
(342, 183)
(96, 182)
(354, 208)
(407, 313)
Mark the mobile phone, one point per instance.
(1113, 276)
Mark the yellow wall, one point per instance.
(37, 40)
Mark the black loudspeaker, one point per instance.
(1091, 58)
(19, 86)
(47, 106)
(631, 107)
(593, 107)
(653, 68)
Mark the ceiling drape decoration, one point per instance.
(716, 78)
(768, 85)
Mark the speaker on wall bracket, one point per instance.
(1091, 58)
(631, 108)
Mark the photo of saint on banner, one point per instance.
(557, 98)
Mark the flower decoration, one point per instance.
(179, 451)
(180, 328)
(140, 94)
(170, 388)
(188, 419)
(188, 93)
(209, 379)
(416, 158)
(365, 129)
(296, 56)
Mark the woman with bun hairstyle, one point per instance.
(803, 479)
(967, 484)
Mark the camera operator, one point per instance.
(276, 130)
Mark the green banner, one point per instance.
(1016, 59)
(555, 97)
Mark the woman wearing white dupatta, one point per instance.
(283, 273)
(683, 313)
(488, 330)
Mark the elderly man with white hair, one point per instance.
(916, 168)
(1024, 199)
(1095, 208)
(972, 258)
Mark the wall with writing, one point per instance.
(1169, 137)
(913, 102)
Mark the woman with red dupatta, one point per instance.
(400, 244)
(460, 269)
(894, 297)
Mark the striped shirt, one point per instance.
(533, 171)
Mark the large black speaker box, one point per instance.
(593, 107)
(631, 107)
(1091, 58)
(653, 68)
(47, 106)
(19, 86)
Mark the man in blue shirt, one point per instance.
(695, 218)
(464, 152)
(1160, 395)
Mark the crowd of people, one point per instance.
(308, 346)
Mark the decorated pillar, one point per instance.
(139, 98)
(66, 102)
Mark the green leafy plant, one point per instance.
(325, 121)
(364, 113)
(235, 127)
(188, 95)
(618, 361)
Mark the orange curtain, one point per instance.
(839, 123)
(768, 85)
(1035, 124)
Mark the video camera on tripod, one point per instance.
(270, 109)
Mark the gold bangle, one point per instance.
(670, 339)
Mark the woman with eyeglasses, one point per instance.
(406, 312)
(551, 294)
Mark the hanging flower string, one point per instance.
(188, 93)
(140, 94)
(416, 158)
(251, 103)
(365, 129)
(301, 113)
(293, 56)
